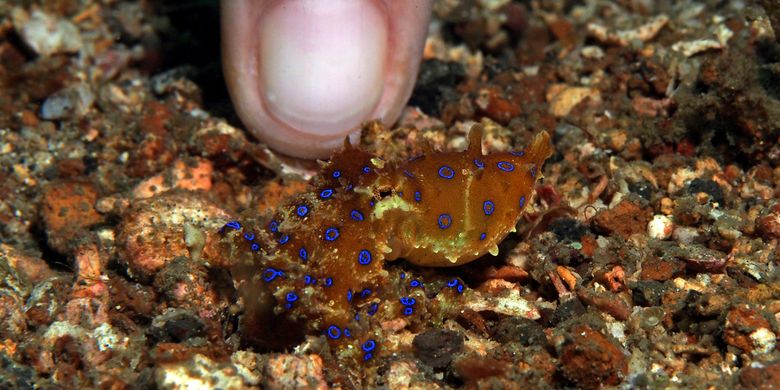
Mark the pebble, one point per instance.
(46, 34)
(72, 102)
(591, 360)
(660, 227)
(198, 372)
(151, 234)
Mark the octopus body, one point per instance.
(317, 265)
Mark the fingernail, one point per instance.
(322, 63)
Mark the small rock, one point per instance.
(568, 309)
(647, 292)
(47, 34)
(768, 223)
(568, 229)
(747, 329)
(68, 103)
(436, 347)
(151, 234)
(68, 210)
(521, 330)
(661, 270)
(763, 376)
(625, 219)
(294, 372)
(660, 227)
(591, 360)
(176, 325)
(710, 187)
(564, 98)
(198, 372)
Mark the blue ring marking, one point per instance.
(283, 239)
(372, 309)
(368, 346)
(444, 221)
(415, 283)
(303, 254)
(482, 236)
(479, 163)
(356, 215)
(234, 225)
(522, 201)
(533, 171)
(506, 166)
(368, 357)
(249, 236)
(331, 234)
(408, 301)
(403, 275)
(336, 174)
(357, 316)
(372, 203)
(417, 196)
(326, 193)
(270, 274)
(334, 332)
(302, 210)
(400, 193)
(347, 333)
(518, 154)
(488, 207)
(273, 226)
(307, 280)
(446, 172)
(291, 297)
(349, 295)
(408, 174)
(349, 187)
(453, 283)
(408, 311)
(365, 293)
(255, 247)
(364, 257)
(460, 289)
(328, 282)
(366, 169)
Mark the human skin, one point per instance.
(305, 74)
